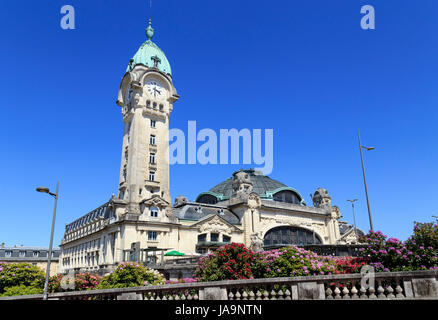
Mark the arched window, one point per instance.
(284, 236)
(207, 198)
(287, 196)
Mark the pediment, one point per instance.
(214, 223)
(155, 201)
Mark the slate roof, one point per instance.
(102, 212)
(197, 211)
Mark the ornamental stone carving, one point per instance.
(322, 199)
(254, 201)
(256, 242)
(242, 185)
(181, 200)
(336, 213)
(215, 225)
(155, 201)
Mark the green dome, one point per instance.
(150, 55)
(263, 185)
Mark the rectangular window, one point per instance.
(22, 254)
(154, 212)
(152, 235)
(152, 158)
(226, 239)
(214, 237)
(153, 123)
(152, 140)
(151, 176)
(8, 253)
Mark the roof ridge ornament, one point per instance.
(149, 30)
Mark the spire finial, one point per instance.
(150, 30)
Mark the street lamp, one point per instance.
(364, 178)
(354, 216)
(55, 195)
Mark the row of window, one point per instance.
(214, 237)
(22, 254)
(154, 105)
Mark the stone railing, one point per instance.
(387, 285)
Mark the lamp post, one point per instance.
(354, 216)
(55, 195)
(364, 178)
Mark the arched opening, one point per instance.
(207, 198)
(287, 196)
(286, 236)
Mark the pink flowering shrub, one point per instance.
(86, 281)
(349, 264)
(231, 261)
(419, 252)
(294, 261)
(131, 274)
(235, 261)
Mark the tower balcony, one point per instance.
(149, 183)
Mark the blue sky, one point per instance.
(303, 68)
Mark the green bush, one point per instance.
(20, 274)
(21, 290)
(131, 274)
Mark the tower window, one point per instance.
(154, 105)
(161, 107)
(153, 123)
(152, 139)
(151, 175)
(148, 103)
(154, 212)
(152, 158)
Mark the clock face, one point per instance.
(155, 89)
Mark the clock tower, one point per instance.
(146, 97)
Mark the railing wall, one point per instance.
(384, 285)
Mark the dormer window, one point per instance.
(154, 212)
